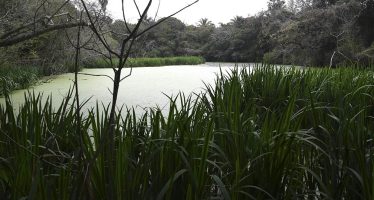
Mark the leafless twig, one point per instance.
(97, 75)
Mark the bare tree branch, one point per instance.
(158, 9)
(35, 21)
(164, 19)
(132, 34)
(97, 51)
(5, 15)
(137, 8)
(23, 38)
(124, 17)
(94, 29)
(96, 75)
(127, 75)
(36, 12)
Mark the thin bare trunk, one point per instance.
(332, 59)
(107, 146)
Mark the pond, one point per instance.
(146, 87)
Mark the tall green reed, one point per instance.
(264, 133)
(17, 77)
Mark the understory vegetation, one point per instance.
(264, 133)
(12, 78)
(148, 62)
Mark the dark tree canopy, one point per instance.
(299, 32)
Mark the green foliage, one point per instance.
(262, 133)
(148, 62)
(12, 78)
(52, 50)
(305, 33)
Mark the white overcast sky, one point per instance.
(215, 10)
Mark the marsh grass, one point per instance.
(266, 133)
(148, 62)
(12, 78)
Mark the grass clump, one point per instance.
(148, 62)
(262, 134)
(13, 78)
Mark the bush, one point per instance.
(13, 78)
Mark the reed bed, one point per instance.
(12, 78)
(265, 133)
(148, 62)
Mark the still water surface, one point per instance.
(146, 87)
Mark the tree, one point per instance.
(24, 20)
(305, 40)
(291, 6)
(323, 3)
(276, 4)
(29, 36)
(365, 22)
(168, 37)
(205, 22)
(117, 57)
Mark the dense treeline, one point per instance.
(299, 32)
(310, 33)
